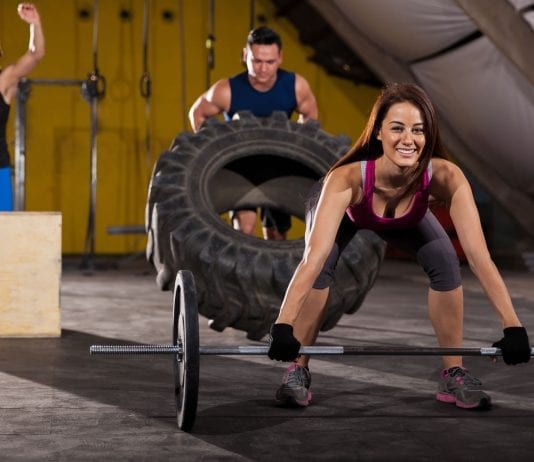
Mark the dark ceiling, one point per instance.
(330, 51)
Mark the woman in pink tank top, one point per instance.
(384, 184)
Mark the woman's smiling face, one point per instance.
(402, 134)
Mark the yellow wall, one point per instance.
(58, 122)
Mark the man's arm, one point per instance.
(214, 101)
(306, 103)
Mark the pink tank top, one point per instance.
(363, 216)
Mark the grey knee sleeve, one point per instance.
(440, 262)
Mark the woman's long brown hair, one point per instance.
(368, 147)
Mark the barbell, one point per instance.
(186, 350)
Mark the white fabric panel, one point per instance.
(489, 104)
(520, 4)
(409, 30)
(530, 18)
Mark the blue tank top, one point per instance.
(363, 215)
(281, 97)
(4, 114)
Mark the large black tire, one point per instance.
(254, 162)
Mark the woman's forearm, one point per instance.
(37, 40)
(496, 291)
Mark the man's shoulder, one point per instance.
(220, 87)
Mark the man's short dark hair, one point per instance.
(264, 36)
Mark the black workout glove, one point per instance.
(283, 346)
(514, 345)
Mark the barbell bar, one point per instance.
(310, 350)
(186, 350)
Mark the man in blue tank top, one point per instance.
(261, 89)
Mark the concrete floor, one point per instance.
(59, 403)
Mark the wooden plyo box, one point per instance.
(30, 274)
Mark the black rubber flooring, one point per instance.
(58, 403)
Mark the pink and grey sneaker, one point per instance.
(295, 388)
(457, 386)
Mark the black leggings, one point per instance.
(427, 242)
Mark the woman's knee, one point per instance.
(440, 262)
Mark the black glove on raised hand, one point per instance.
(283, 346)
(514, 345)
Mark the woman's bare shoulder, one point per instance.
(345, 177)
(447, 177)
(444, 169)
(349, 173)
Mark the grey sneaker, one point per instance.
(295, 388)
(457, 386)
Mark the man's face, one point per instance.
(262, 62)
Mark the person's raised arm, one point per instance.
(214, 101)
(36, 50)
(36, 46)
(306, 102)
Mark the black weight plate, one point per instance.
(185, 333)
